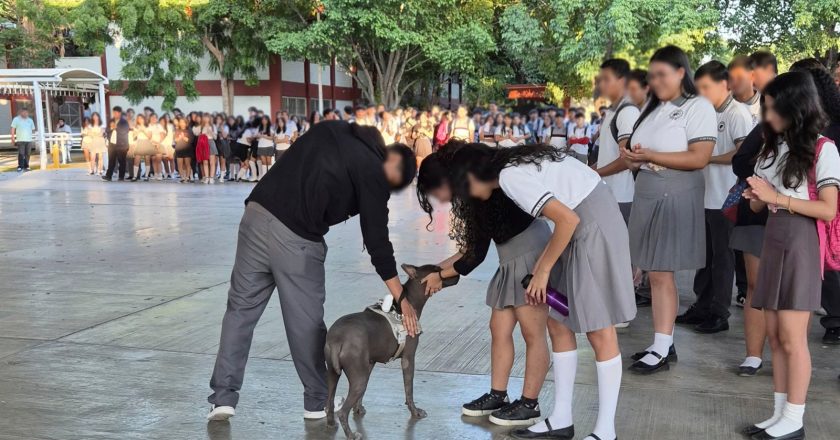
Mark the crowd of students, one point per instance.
(699, 164)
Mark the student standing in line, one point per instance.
(587, 258)
(462, 127)
(616, 129)
(748, 234)
(519, 240)
(487, 132)
(183, 150)
(507, 134)
(713, 283)
(265, 145)
(168, 146)
(99, 147)
(557, 133)
(143, 148)
(223, 145)
(638, 89)
(579, 139)
(788, 288)
(830, 98)
(157, 134)
(672, 143)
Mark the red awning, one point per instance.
(534, 92)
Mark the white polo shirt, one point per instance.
(621, 183)
(556, 136)
(672, 126)
(827, 172)
(734, 124)
(754, 106)
(568, 180)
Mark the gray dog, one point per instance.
(356, 342)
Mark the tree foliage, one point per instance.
(386, 44)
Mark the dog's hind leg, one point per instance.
(332, 384)
(359, 409)
(358, 379)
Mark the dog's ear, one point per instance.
(451, 281)
(410, 270)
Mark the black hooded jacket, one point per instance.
(328, 175)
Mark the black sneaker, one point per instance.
(516, 414)
(485, 405)
(831, 336)
(692, 316)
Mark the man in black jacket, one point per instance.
(333, 172)
(117, 150)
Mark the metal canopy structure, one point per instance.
(44, 83)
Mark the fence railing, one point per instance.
(75, 140)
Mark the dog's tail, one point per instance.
(332, 353)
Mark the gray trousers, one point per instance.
(269, 255)
(713, 283)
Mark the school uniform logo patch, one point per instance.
(676, 114)
(721, 126)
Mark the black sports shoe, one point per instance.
(485, 405)
(831, 336)
(692, 316)
(516, 414)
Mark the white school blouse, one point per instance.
(621, 184)
(734, 124)
(569, 181)
(265, 142)
(827, 172)
(674, 125)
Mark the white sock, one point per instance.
(752, 362)
(242, 173)
(609, 383)
(790, 421)
(661, 344)
(253, 167)
(263, 170)
(564, 370)
(137, 171)
(779, 400)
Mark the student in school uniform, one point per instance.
(742, 85)
(508, 134)
(616, 129)
(672, 143)
(638, 89)
(587, 258)
(748, 234)
(557, 133)
(788, 288)
(578, 138)
(713, 283)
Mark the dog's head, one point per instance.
(415, 290)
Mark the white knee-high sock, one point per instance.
(661, 344)
(564, 371)
(137, 171)
(253, 167)
(779, 400)
(263, 170)
(609, 383)
(790, 421)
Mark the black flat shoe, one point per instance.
(831, 336)
(598, 438)
(751, 430)
(795, 435)
(672, 354)
(749, 371)
(640, 367)
(567, 433)
(692, 316)
(714, 324)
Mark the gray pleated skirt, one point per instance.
(749, 239)
(667, 222)
(214, 151)
(517, 258)
(594, 271)
(789, 273)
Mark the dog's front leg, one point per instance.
(408, 376)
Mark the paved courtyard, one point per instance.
(111, 304)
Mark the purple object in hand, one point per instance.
(554, 299)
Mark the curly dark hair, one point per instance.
(470, 219)
(795, 98)
(826, 87)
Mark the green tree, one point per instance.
(792, 29)
(566, 40)
(387, 45)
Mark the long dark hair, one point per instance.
(485, 163)
(826, 87)
(677, 58)
(795, 99)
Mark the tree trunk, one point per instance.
(227, 95)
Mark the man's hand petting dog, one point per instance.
(409, 317)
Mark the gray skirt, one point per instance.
(214, 151)
(517, 258)
(747, 239)
(594, 271)
(667, 222)
(789, 273)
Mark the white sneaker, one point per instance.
(316, 415)
(622, 324)
(221, 412)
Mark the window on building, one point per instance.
(295, 106)
(71, 112)
(313, 104)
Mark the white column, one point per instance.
(320, 90)
(103, 112)
(39, 121)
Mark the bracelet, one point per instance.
(440, 274)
